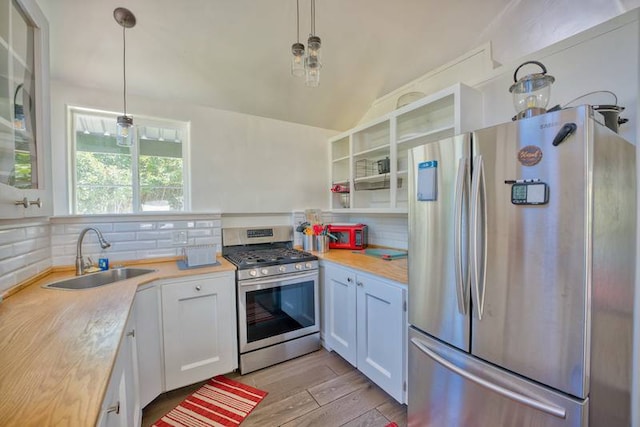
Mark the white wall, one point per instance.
(238, 162)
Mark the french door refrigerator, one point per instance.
(521, 275)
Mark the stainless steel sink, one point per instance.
(101, 278)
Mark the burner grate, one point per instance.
(251, 258)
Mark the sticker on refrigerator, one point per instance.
(428, 181)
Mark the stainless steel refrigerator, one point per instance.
(521, 275)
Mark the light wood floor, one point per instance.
(319, 389)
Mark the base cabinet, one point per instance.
(149, 343)
(121, 405)
(199, 328)
(365, 323)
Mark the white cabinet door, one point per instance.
(381, 325)
(340, 312)
(149, 344)
(121, 405)
(199, 325)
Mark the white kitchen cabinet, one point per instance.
(366, 324)
(25, 141)
(199, 328)
(149, 343)
(370, 161)
(121, 405)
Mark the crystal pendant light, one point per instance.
(312, 61)
(125, 131)
(297, 49)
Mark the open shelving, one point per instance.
(449, 112)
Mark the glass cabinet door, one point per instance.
(22, 69)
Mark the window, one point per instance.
(109, 179)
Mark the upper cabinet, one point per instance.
(24, 110)
(369, 163)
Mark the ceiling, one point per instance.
(234, 54)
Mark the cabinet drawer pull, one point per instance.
(349, 279)
(359, 283)
(36, 202)
(198, 287)
(115, 408)
(131, 333)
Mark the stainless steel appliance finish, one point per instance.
(456, 389)
(278, 303)
(540, 288)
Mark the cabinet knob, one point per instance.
(131, 333)
(115, 408)
(198, 287)
(359, 283)
(349, 279)
(24, 202)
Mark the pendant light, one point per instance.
(312, 62)
(297, 61)
(124, 124)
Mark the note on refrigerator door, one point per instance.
(428, 181)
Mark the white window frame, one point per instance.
(139, 121)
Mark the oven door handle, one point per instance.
(278, 279)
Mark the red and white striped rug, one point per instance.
(220, 402)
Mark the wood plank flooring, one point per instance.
(319, 389)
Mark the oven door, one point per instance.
(277, 309)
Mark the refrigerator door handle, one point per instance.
(459, 215)
(509, 394)
(478, 257)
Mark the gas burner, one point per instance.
(262, 257)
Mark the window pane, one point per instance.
(103, 183)
(161, 183)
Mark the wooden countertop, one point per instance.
(58, 347)
(395, 269)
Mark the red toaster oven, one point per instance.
(347, 236)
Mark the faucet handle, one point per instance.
(89, 262)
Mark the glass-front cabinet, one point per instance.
(24, 111)
(369, 164)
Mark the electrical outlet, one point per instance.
(179, 237)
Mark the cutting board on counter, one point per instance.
(386, 254)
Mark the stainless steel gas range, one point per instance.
(278, 303)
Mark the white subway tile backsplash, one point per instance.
(6, 251)
(158, 253)
(154, 235)
(7, 281)
(132, 246)
(133, 226)
(119, 237)
(204, 232)
(12, 235)
(77, 228)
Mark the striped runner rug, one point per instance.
(220, 402)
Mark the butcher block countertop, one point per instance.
(58, 347)
(395, 269)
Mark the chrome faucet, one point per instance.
(80, 265)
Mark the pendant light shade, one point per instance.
(125, 131)
(307, 65)
(297, 49)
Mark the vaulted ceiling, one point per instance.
(234, 54)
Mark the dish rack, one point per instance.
(373, 175)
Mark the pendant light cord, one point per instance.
(313, 17)
(298, 20)
(124, 68)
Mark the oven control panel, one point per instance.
(275, 270)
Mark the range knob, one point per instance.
(308, 265)
(253, 273)
(298, 266)
(282, 269)
(265, 271)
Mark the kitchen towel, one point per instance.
(220, 402)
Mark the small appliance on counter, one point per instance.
(348, 236)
